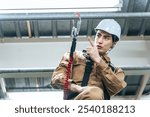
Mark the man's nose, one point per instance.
(100, 39)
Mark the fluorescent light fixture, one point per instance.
(21, 6)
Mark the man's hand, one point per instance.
(93, 51)
(76, 88)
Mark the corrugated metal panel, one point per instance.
(59, 27)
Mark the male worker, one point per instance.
(104, 77)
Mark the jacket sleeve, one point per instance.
(59, 74)
(113, 80)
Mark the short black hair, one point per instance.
(115, 38)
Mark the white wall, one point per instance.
(48, 54)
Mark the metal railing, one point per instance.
(129, 70)
(70, 15)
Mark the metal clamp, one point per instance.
(75, 30)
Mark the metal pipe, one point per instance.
(23, 70)
(29, 29)
(146, 67)
(71, 15)
(3, 86)
(17, 70)
(142, 86)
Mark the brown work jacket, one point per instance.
(102, 74)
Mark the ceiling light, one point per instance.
(16, 6)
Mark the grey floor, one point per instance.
(53, 95)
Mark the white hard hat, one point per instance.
(110, 26)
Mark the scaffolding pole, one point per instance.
(70, 15)
(19, 70)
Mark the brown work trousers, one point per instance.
(90, 93)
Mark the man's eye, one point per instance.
(106, 38)
(98, 35)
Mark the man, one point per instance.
(104, 77)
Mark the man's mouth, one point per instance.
(99, 47)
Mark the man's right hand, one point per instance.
(76, 88)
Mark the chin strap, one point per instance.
(74, 34)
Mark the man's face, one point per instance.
(103, 41)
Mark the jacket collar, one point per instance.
(106, 58)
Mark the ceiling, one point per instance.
(133, 18)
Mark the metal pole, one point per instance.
(22, 70)
(146, 67)
(142, 87)
(17, 70)
(2, 84)
(70, 15)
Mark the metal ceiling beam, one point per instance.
(126, 23)
(54, 28)
(143, 22)
(1, 30)
(64, 39)
(71, 15)
(35, 28)
(17, 27)
(89, 27)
